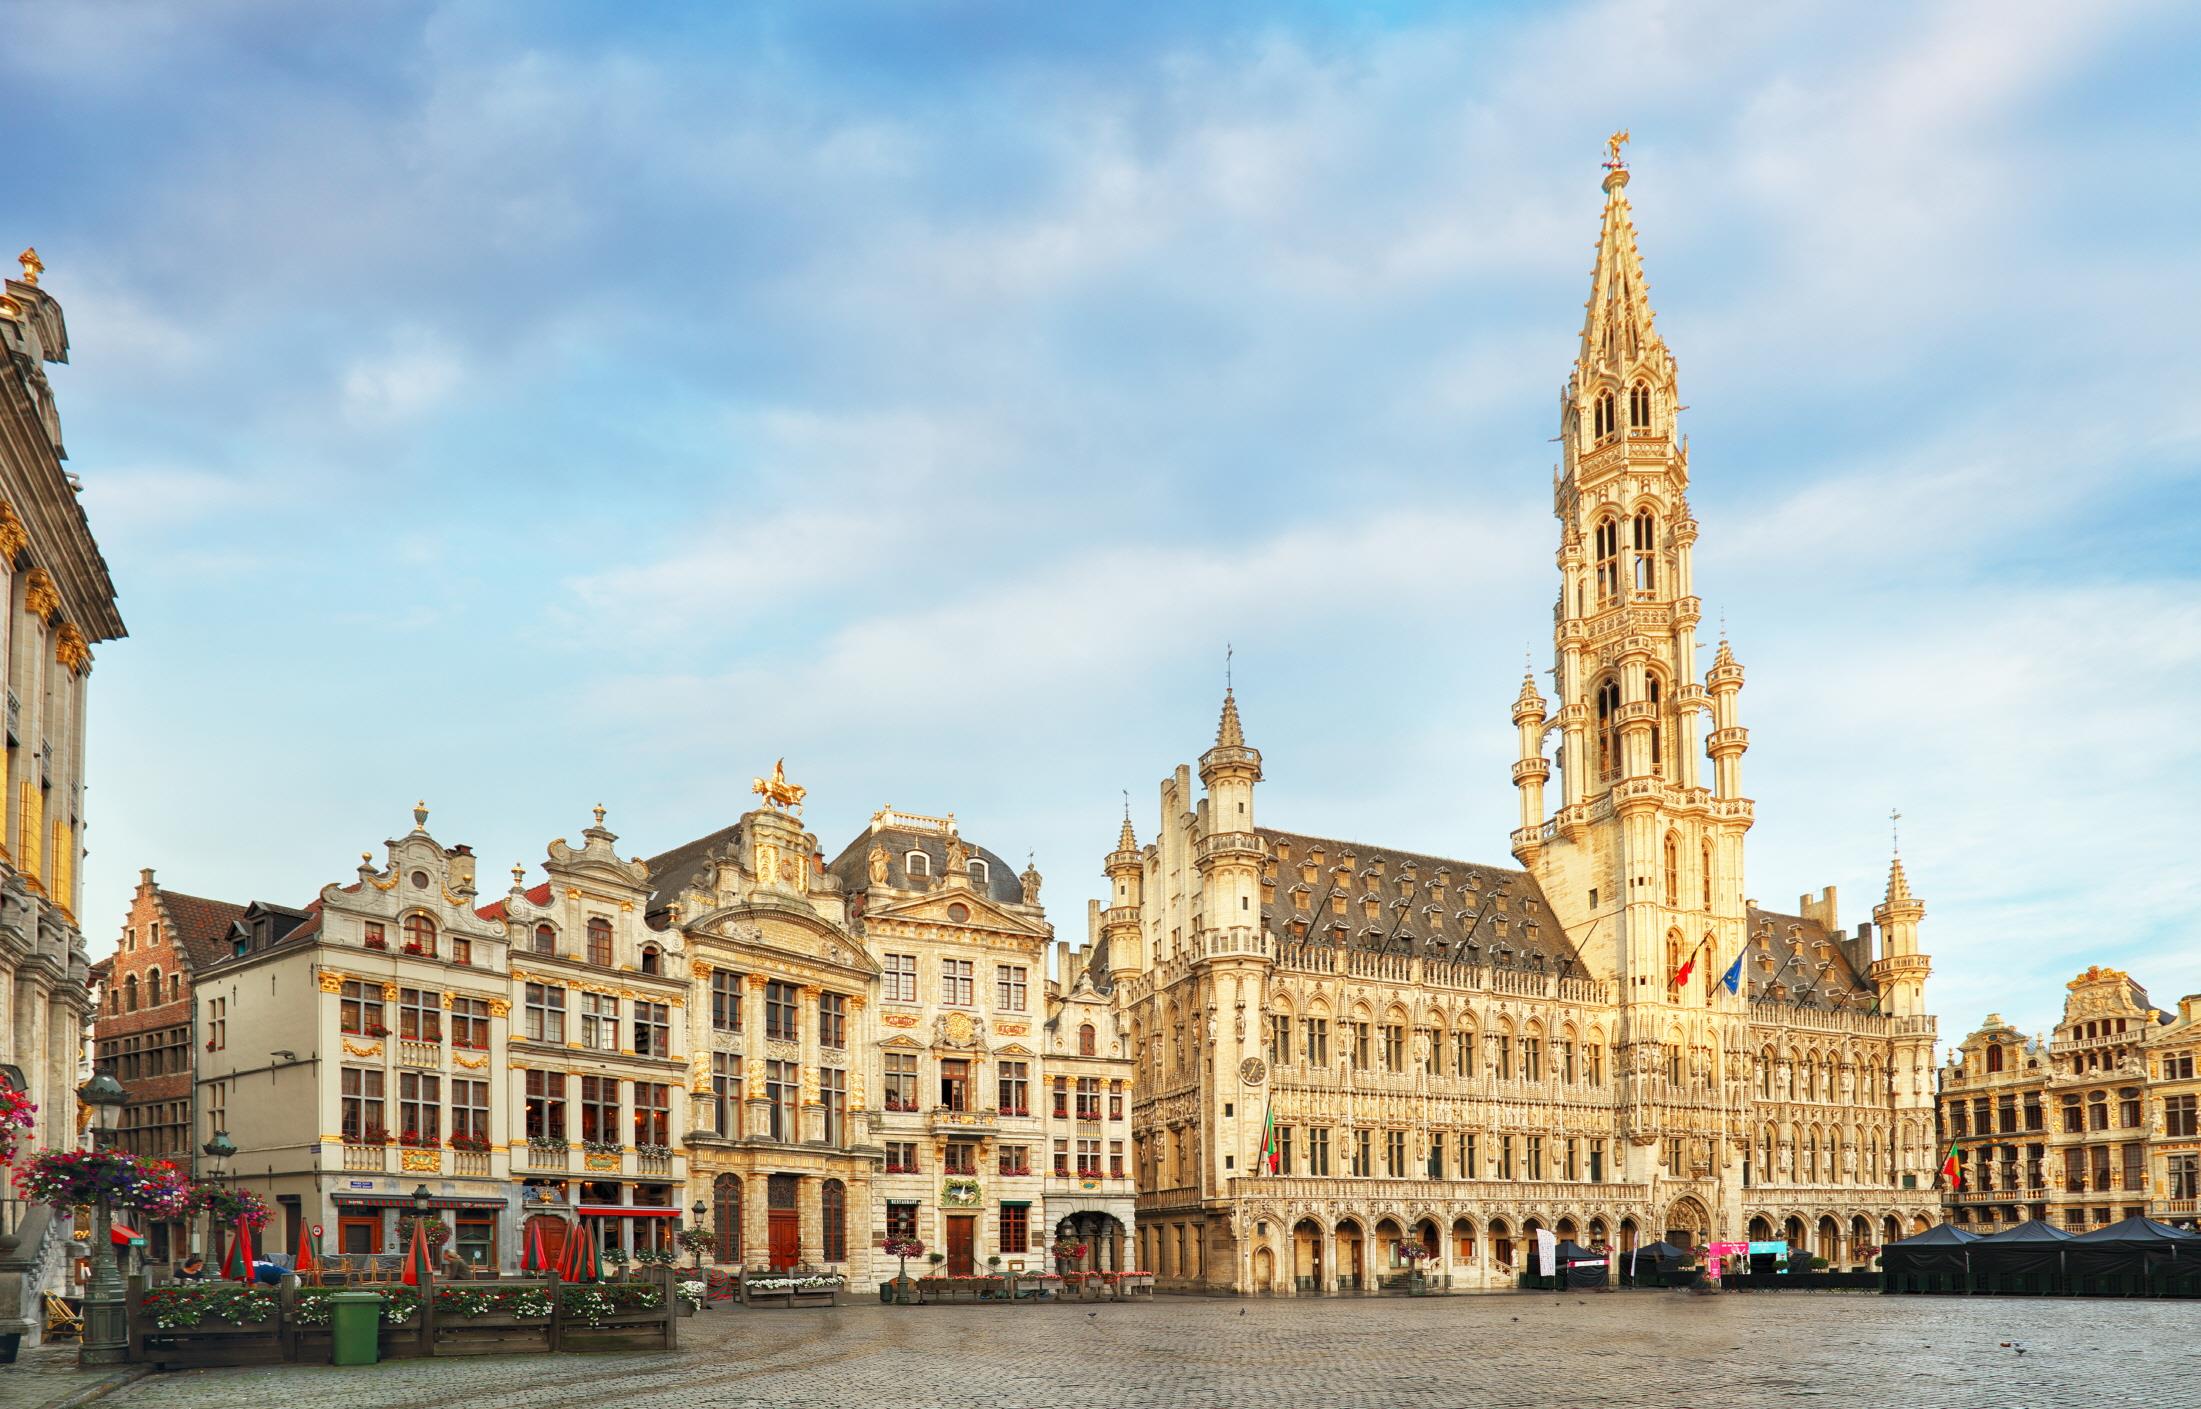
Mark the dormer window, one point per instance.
(599, 941)
(978, 870)
(546, 940)
(917, 863)
(420, 936)
(652, 959)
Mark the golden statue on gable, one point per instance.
(777, 791)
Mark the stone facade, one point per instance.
(1343, 1049)
(59, 603)
(780, 1151)
(961, 947)
(2094, 1123)
(1091, 1193)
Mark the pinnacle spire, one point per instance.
(1899, 885)
(1617, 325)
(1228, 732)
(1127, 840)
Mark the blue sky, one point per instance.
(526, 406)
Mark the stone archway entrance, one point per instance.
(1102, 1237)
(1687, 1223)
(1307, 1257)
(1264, 1271)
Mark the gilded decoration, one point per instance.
(499, 1007)
(331, 980)
(362, 1049)
(13, 539)
(70, 648)
(421, 1161)
(777, 791)
(601, 1163)
(700, 969)
(33, 266)
(899, 1019)
(389, 993)
(40, 597)
(471, 1063)
(1012, 1029)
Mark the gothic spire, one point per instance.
(1899, 885)
(1617, 324)
(1228, 733)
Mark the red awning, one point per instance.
(623, 1211)
(122, 1235)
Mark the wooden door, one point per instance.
(553, 1231)
(784, 1225)
(962, 1240)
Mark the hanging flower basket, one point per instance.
(18, 1113)
(227, 1205)
(437, 1231)
(68, 1178)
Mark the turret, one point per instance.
(1900, 973)
(1229, 855)
(1532, 769)
(1120, 924)
(1728, 739)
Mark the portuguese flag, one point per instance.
(1949, 1170)
(1268, 1140)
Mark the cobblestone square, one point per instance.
(1630, 1349)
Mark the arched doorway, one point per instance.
(1860, 1238)
(1564, 1229)
(1687, 1223)
(1598, 1233)
(1425, 1233)
(1920, 1223)
(1630, 1236)
(1100, 1234)
(552, 1230)
(726, 1220)
(1761, 1231)
(1829, 1245)
(1264, 1271)
(1891, 1230)
(1388, 1237)
(1793, 1231)
(1307, 1257)
(1463, 1240)
(785, 1220)
(1501, 1245)
(1352, 1257)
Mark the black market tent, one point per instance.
(1652, 1263)
(1569, 1253)
(1660, 1251)
(2129, 1247)
(2031, 1248)
(1942, 1250)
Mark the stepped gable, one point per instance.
(1440, 907)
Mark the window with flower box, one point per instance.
(1016, 1228)
(653, 1033)
(901, 1077)
(782, 1018)
(1016, 1160)
(546, 1105)
(898, 982)
(419, 1015)
(1062, 1159)
(653, 1113)
(359, 1009)
(833, 1020)
(1089, 1098)
(545, 1013)
(961, 1157)
(1062, 1098)
(958, 982)
(470, 1024)
(600, 1022)
(726, 1093)
(1016, 1088)
(600, 1110)
(420, 936)
(599, 942)
(901, 1222)
(419, 1108)
(1011, 982)
(371, 934)
(902, 1157)
(1115, 1100)
(469, 1114)
(725, 1000)
(1115, 1159)
(364, 1116)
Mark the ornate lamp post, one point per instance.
(106, 1328)
(699, 1210)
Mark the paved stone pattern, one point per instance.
(1624, 1349)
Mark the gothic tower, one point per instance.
(1641, 860)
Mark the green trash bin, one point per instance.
(355, 1323)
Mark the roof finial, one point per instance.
(1613, 160)
(33, 266)
(420, 815)
(1895, 831)
(1227, 652)
(599, 814)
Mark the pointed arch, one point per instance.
(1608, 729)
(1639, 406)
(1673, 870)
(1646, 552)
(1606, 540)
(1705, 857)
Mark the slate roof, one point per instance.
(672, 872)
(198, 926)
(1465, 911)
(1771, 936)
(853, 865)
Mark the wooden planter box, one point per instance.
(495, 1334)
(206, 1344)
(621, 1330)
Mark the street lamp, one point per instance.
(106, 1329)
(699, 1211)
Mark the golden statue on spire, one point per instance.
(777, 791)
(1613, 144)
(33, 266)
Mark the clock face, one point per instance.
(1253, 1071)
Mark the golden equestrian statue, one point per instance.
(777, 791)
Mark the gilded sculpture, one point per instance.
(777, 791)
